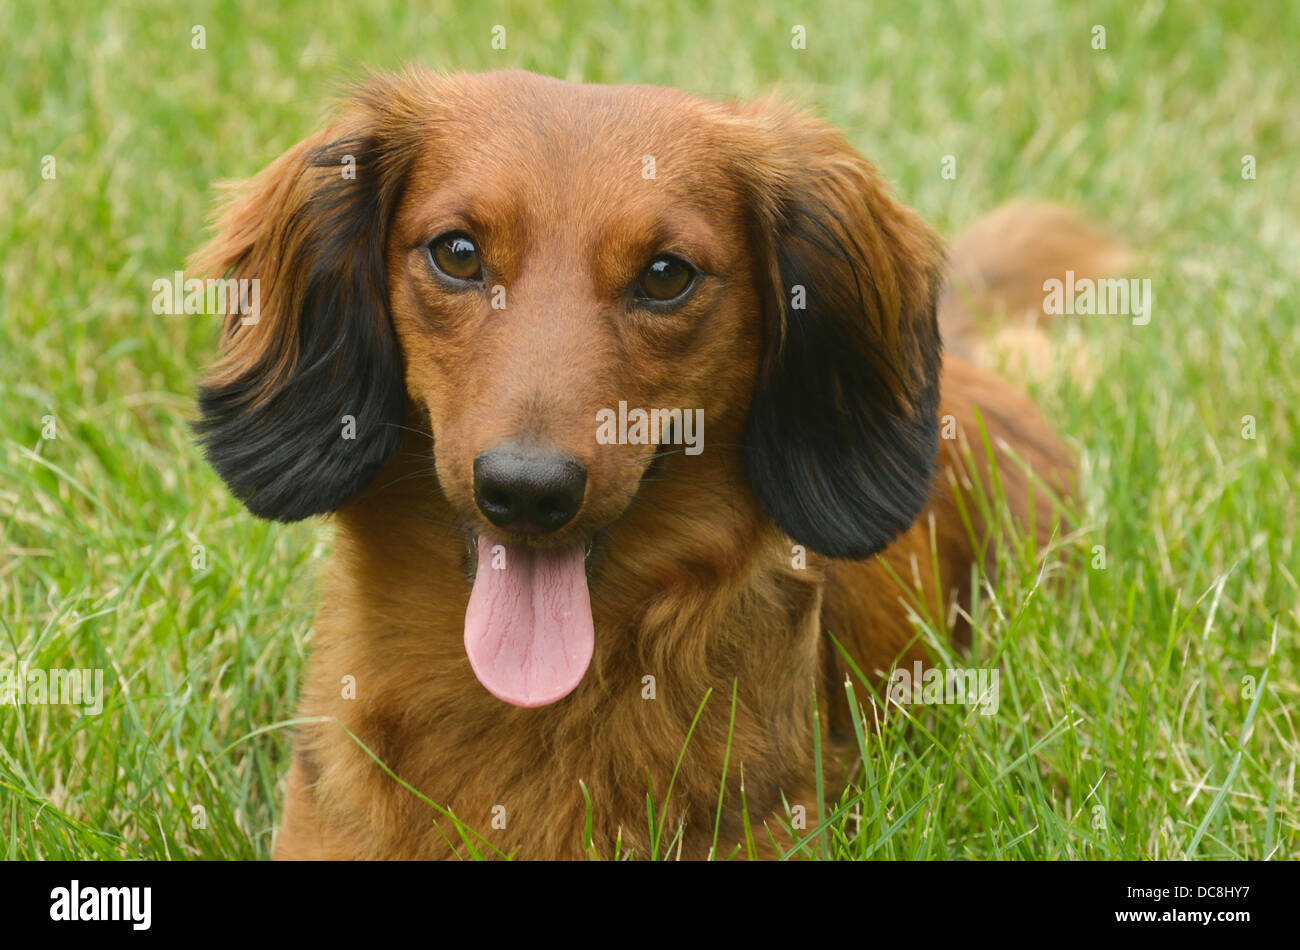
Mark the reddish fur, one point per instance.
(696, 586)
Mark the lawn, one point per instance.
(1149, 694)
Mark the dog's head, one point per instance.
(564, 283)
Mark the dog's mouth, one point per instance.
(529, 633)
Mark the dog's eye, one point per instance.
(665, 278)
(456, 256)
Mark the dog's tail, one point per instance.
(998, 268)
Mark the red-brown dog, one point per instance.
(482, 297)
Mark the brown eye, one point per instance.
(665, 278)
(456, 256)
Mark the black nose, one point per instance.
(531, 493)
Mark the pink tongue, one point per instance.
(528, 629)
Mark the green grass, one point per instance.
(1126, 727)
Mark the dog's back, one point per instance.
(991, 306)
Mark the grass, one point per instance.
(1148, 707)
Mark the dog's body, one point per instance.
(724, 604)
(823, 421)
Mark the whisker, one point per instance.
(661, 454)
(424, 473)
(398, 425)
(681, 449)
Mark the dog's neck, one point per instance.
(686, 603)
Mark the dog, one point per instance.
(470, 284)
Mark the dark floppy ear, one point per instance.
(311, 230)
(843, 432)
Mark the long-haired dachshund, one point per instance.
(616, 396)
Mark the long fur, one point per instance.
(814, 344)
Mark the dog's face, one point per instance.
(520, 265)
(538, 275)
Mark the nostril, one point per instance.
(528, 492)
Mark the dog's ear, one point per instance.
(842, 437)
(304, 407)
